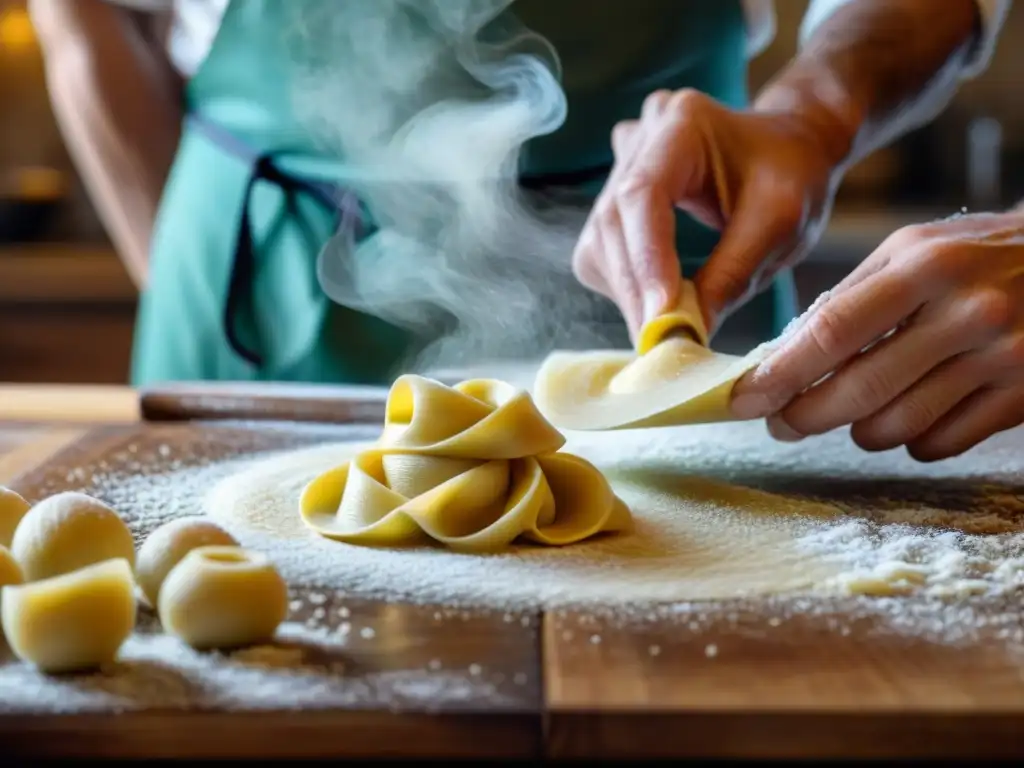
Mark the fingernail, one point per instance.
(781, 431)
(654, 303)
(752, 406)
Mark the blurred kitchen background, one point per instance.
(67, 305)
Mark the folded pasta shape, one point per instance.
(474, 467)
(672, 378)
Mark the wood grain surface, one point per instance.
(55, 403)
(24, 449)
(393, 661)
(781, 679)
(504, 719)
(767, 679)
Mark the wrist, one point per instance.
(821, 109)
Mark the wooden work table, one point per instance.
(36, 421)
(800, 690)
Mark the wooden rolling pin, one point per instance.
(243, 401)
(246, 401)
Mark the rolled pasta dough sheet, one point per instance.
(672, 378)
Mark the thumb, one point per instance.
(751, 243)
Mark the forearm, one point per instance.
(118, 106)
(874, 70)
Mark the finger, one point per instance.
(624, 137)
(840, 328)
(585, 264)
(634, 135)
(646, 210)
(878, 260)
(904, 240)
(978, 417)
(919, 408)
(781, 431)
(876, 377)
(754, 235)
(656, 104)
(617, 269)
(649, 233)
(588, 255)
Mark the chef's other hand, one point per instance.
(922, 345)
(764, 180)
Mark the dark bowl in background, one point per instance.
(30, 199)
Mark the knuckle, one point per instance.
(1012, 354)
(656, 100)
(908, 237)
(868, 391)
(941, 261)
(584, 255)
(726, 287)
(989, 309)
(825, 330)
(687, 101)
(604, 210)
(638, 184)
(910, 418)
(589, 277)
(583, 270)
(622, 134)
(647, 264)
(913, 416)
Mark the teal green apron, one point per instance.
(251, 199)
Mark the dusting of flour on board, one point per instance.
(718, 543)
(155, 670)
(701, 534)
(952, 529)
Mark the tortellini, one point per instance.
(223, 597)
(474, 467)
(73, 622)
(69, 531)
(168, 544)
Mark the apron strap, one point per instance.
(336, 199)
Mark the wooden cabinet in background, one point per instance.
(66, 316)
(66, 344)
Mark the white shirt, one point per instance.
(196, 22)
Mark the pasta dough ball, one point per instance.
(223, 597)
(73, 622)
(165, 547)
(12, 509)
(69, 531)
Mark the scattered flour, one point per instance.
(942, 544)
(156, 671)
(852, 523)
(843, 520)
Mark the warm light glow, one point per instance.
(16, 32)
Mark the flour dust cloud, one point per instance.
(430, 103)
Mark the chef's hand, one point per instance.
(764, 180)
(922, 345)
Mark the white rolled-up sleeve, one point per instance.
(993, 14)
